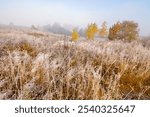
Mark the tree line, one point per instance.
(126, 30)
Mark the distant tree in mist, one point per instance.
(82, 32)
(11, 24)
(103, 30)
(33, 27)
(57, 29)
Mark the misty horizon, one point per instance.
(71, 14)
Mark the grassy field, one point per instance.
(38, 65)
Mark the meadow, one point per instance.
(38, 65)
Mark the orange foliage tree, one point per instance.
(127, 30)
(103, 31)
(114, 31)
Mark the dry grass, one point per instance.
(146, 42)
(47, 67)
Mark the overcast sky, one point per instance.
(75, 12)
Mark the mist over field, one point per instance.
(75, 13)
(74, 50)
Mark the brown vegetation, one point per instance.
(44, 68)
(127, 30)
(103, 30)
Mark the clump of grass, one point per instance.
(22, 46)
(37, 34)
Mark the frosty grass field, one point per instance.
(40, 65)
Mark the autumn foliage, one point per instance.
(103, 31)
(114, 31)
(127, 30)
(49, 68)
(91, 31)
(75, 35)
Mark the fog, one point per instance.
(74, 13)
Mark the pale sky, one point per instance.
(75, 12)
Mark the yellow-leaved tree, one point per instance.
(91, 31)
(75, 35)
(94, 28)
(103, 30)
